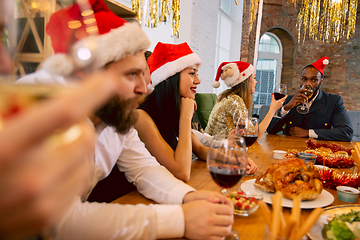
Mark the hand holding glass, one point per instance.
(304, 108)
(280, 91)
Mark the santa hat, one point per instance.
(321, 64)
(70, 31)
(241, 71)
(169, 59)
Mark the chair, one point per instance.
(263, 111)
(355, 121)
(205, 103)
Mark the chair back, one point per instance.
(205, 103)
(355, 121)
(263, 111)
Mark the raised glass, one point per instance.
(226, 162)
(304, 108)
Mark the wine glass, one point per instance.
(248, 128)
(226, 161)
(304, 108)
(280, 91)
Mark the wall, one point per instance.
(342, 75)
(204, 32)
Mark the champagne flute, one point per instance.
(304, 108)
(226, 161)
(249, 130)
(280, 91)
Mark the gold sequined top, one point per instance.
(221, 117)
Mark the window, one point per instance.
(225, 5)
(268, 69)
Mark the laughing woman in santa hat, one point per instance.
(164, 122)
(240, 77)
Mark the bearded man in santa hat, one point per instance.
(120, 48)
(326, 117)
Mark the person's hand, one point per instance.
(276, 104)
(299, 132)
(187, 107)
(36, 192)
(210, 196)
(206, 220)
(298, 98)
(251, 167)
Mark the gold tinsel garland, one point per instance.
(158, 11)
(327, 20)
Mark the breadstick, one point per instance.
(310, 221)
(275, 225)
(295, 217)
(266, 212)
(289, 227)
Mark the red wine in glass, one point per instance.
(226, 177)
(250, 139)
(278, 95)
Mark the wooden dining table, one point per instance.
(261, 152)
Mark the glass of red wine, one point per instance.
(226, 162)
(248, 128)
(280, 91)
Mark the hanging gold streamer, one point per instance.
(137, 7)
(352, 18)
(152, 17)
(327, 20)
(176, 18)
(253, 12)
(164, 11)
(153, 7)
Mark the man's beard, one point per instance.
(120, 114)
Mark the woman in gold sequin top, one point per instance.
(240, 77)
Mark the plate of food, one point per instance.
(323, 199)
(295, 178)
(338, 222)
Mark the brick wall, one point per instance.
(342, 75)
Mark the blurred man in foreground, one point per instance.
(38, 180)
(189, 213)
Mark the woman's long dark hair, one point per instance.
(163, 106)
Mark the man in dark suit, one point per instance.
(327, 118)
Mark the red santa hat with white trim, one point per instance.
(69, 29)
(240, 72)
(321, 64)
(168, 59)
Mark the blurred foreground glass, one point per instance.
(23, 33)
(16, 98)
(226, 161)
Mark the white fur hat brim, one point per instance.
(112, 46)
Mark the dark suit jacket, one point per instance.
(327, 117)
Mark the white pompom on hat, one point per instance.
(241, 71)
(116, 38)
(321, 64)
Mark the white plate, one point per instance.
(324, 199)
(315, 232)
